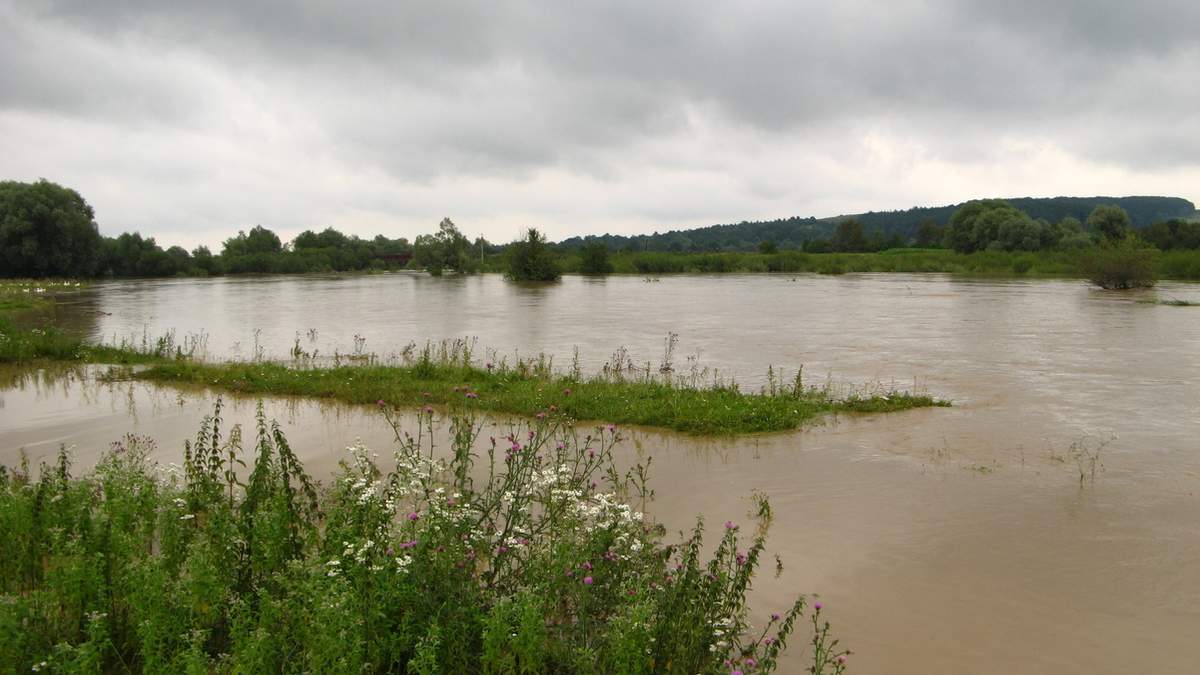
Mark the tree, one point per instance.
(848, 237)
(594, 258)
(992, 224)
(531, 259)
(446, 249)
(929, 234)
(1110, 221)
(46, 230)
(768, 247)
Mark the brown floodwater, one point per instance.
(941, 541)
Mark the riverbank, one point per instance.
(1178, 264)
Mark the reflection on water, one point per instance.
(944, 540)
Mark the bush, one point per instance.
(1119, 264)
(535, 561)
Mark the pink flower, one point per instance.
(842, 658)
(414, 516)
(471, 394)
(566, 392)
(428, 410)
(588, 581)
(729, 525)
(381, 403)
(817, 606)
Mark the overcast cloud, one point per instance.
(190, 120)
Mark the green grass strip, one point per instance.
(722, 410)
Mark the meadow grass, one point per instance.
(529, 555)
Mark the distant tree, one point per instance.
(991, 224)
(817, 246)
(848, 237)
(446, 249)
(204, 261)
(594, 258)
(1110, 221)
(530, 259)
(768, 247)
(46, 230)
(1173, 234)
(929, 234)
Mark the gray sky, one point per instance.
(190, 120)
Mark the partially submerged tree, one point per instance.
(531, 259)
(448, 249)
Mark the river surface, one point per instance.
(1049, 522)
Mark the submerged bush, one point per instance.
(1123, 263)
(532, 556)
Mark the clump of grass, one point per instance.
(531, 555)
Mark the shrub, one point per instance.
(594, 258)
(1122, 263)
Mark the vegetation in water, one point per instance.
(532, 555)
(530, 259)
(621, 393)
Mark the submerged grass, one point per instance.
(621, 393)
(526, 555)
(704, 410)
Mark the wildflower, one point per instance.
(489, 365)
(774, 616)
(471, 394)
(730, 526)
(381, 403)
(414, 516)
(553, 408)
(817, 606)
(566, 392)
(587, 566)
(428, 410)
(841, 658)
(187, 516)
(588, 581)
(540, 416)
(751, 662)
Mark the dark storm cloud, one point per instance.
(430, 91)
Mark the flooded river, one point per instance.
(941, 541)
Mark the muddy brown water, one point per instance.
(941, 541)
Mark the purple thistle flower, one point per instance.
(729, 525)
(842, 658)
(414, 515)
(588, 581)
(817, 606)
(774, 616)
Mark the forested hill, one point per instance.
(793, 232)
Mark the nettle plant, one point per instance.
(531, 554)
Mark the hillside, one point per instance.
(793, 232)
